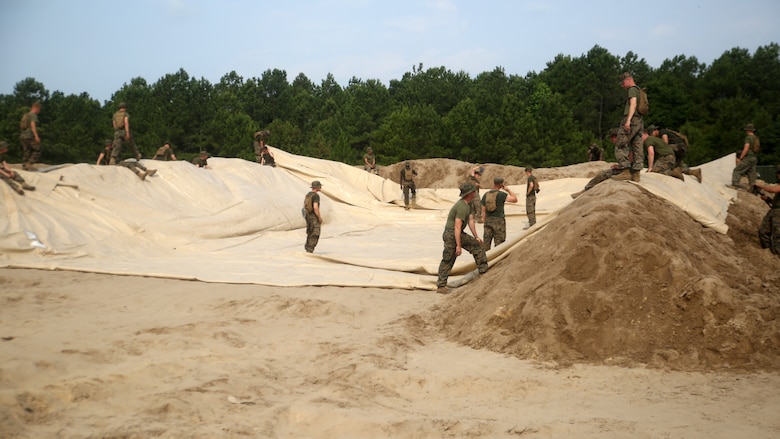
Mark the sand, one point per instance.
(671, 333)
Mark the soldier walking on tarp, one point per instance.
(121, 124)
(311, 211)
(31, 142)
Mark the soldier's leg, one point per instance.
(752, 171)
(406, 195)
(116, 148)
(775, 226)
(739, 170)
(470, 243)
(35, 153)
(487, 233)
(447, 258)
(530, 209)
(765, 231)
(500, 231)
(312, 233)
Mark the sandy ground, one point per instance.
(672, 333)
(88, 355)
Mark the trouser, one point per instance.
(746, 166)
(530, 208)
(312, 232)
(407, 189)
(628, 145)
(12, 181)
(664, 165)
(468, 243)
(495, 229)
(769, 231)
(476, 207)
(119, 140)
(31, 150)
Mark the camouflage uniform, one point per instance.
(312, 221)
(628, 147)
(476, 210)
(495, 221)
(120, 133)
(665, 160)
(769, 230)
(164, 153)
(460, 210)
(747, 166)
(530, 200)
(201, 161)
(407, 183)
(260, 138)
(16, 182)
(369, 161)
(31, 150)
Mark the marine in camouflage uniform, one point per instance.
(369, 160)
(121, 124)
(138, 169)
(31, 142)
(680, 149)
(105, 155)
(11, 177)
(628, 148)
(531, 189)
(747, 159)
(475, 178)
(455, 239)
(311, 209)
(164, 153)
(769, 230)
(407, 183)
(259, 143)
(613, 172)
(201, 160)
(660, 157)
(495, 221)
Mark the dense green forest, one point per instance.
(543, 119)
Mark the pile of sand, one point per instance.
(624, 277)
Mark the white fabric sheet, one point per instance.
(240, 222)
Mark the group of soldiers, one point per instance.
(466, 212)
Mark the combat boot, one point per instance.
(625, 175)
(150, 172)
(27, 187)
(577, 194)
(141, 175)
(677, 173)
(635, 175)
(696, 173)
(442, 290)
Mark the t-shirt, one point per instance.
(199, 161)
(660, 147)
(633, 92)
(407, 175)
(500, 200)
(459, 210)
(531, 181)
(750, 139)
(27, 121)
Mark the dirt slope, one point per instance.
(622, 277)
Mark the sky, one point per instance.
(96, 47)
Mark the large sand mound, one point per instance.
(624, 277)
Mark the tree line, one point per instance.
(543, 119)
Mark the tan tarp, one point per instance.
(240, 222)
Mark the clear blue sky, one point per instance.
(93, 46)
